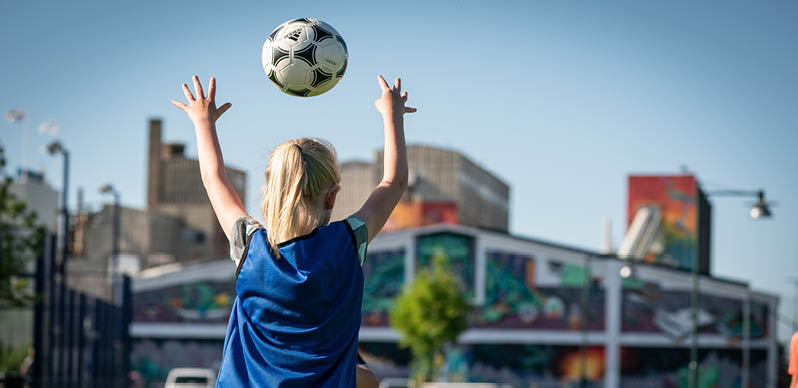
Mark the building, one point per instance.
(445, 187)
(540, 308)
(174, 187)
(526, 326)
(178, 224)
(40, 196)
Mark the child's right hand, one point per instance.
(391, 104)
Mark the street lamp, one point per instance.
(109, 189)
(760, 210)
(53, 148)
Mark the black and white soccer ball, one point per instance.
(304, 57)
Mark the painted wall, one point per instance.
(676, 198)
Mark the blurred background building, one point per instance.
(178, 224)
(544, 312)
(445, 187)
(40, 196)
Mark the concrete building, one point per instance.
(178, 225)
(441, 181)
(174, 187)
(40, 196)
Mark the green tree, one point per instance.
(21, 240)
(430, 313)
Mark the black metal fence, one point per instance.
(75, 330)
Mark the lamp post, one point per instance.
(109, 189)
(759, 210)
(52, 149)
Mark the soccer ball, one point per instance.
(304, 57)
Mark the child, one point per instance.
(299, 285)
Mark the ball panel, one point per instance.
(266, 55)
(273, 77)
(319, 77)
(295, 75)
(330, 56)
(298, 92)
(323, 87)
(295, 36)
(341, 40)
(342, 71)
(276, 31)
(278, 54)
(327, 27)
(307, 55)
(321, 33)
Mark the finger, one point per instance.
(404, 96)
(397, 85)
(187, 92)
(179, 105)
(198, 88)
(410, 110)
(223, 109)
(212, 88)
(383, 85)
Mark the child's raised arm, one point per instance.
(203, 113)
(381, 202)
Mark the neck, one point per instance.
(321, 218)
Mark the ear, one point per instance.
(329, 200)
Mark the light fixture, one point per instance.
(626, 271)
(54, 148)
(761, 209)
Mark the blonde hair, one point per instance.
(298, 173)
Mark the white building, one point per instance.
(526, 325)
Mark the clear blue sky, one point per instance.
(561, 100)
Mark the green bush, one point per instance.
(11, 358)
(431, 312)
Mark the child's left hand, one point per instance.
(202, 109)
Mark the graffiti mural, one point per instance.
(513, 299)
(667, 368)
(383, 276)
(456, 249)
(648, 308)
(514, 365)
(676, 199)
(200, 302)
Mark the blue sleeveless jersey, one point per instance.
(295, 320)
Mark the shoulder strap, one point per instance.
(244, 256)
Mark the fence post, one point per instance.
(81, 338)
(95, 344)
(127, 318)
(70, 330)
(51, 317)
(40, 355)
(62, 332)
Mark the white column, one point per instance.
(410, 258)
(479, 275)
(612, 324)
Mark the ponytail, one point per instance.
(297, 173)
